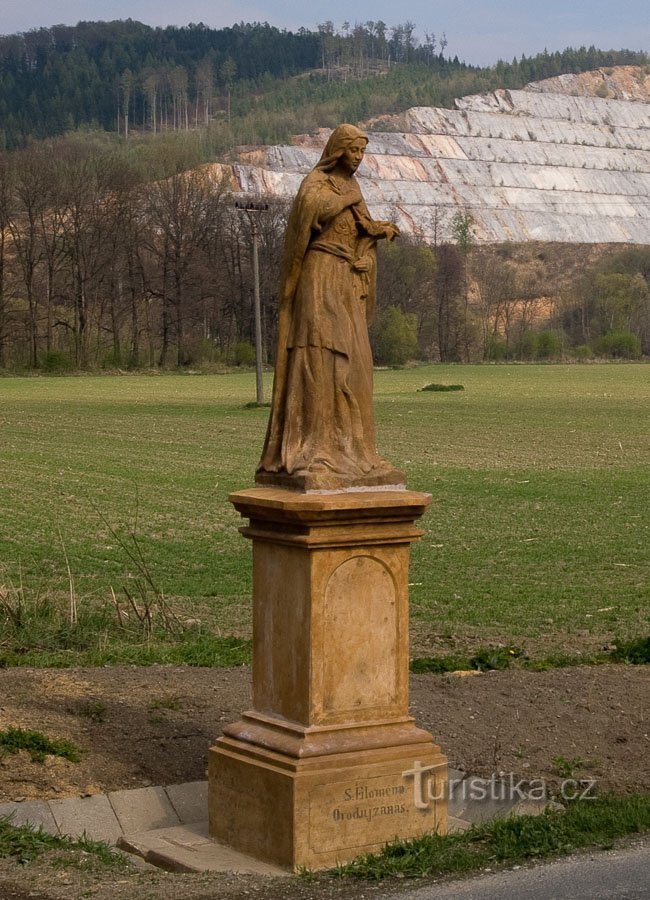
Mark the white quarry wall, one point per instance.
(527, 165)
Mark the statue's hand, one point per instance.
(353, 194)
(362, 264)
(390, 229)
(379, 230)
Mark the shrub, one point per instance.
(395, 337)
(496, 349)
(527, 345)
(243, 354)
(56, 361)
(112, 360)
(635, 652)
(618, 345)
(435, 386)
(541, 345)
(547, 345)
(208, 351)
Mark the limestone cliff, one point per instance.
(567, 159)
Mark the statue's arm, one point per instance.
(374, 228)
(326, 198)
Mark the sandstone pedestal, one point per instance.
(328, 764)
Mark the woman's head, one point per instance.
(346, 141)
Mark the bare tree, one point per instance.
(407, 280)
(496, 290)
(151, 88)
(5, 216)
(179, 83)
(125, 272)
(204, 89)
(227, 75)
(182, 211)
(87, 178)
(126, 92)
(30, 191)
(449, 291)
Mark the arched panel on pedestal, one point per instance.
(360, 627)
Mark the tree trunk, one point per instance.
(178, 302)
(115, 321)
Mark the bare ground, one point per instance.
(142, 726)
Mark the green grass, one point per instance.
(537, 534)
(486, 659)
(37, 744)
(635, 653)
(113, 648)
(25, 844)
(596, 823)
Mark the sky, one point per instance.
(479, 32)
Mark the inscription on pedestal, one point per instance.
(361, 812)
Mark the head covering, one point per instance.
(339, 139)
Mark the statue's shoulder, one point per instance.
(312, 186)
(315, 178)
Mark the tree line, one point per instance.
(114, 75)
(124, 76)
(103, 74)
(461, 302)
(121, 255)
(102, 264)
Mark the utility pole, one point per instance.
(252, 211)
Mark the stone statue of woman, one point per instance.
(321, 433)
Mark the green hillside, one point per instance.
(253, 83)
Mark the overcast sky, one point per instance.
(478, 31)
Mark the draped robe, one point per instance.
(322, 420)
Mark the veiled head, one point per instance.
(343, 137)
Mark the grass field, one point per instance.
(538, 533)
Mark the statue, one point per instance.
(321, 433)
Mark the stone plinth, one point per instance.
(328, 764)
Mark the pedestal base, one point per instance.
(328, 765)
(317, 812)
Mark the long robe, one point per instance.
(322, 415)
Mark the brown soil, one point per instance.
(143, 726)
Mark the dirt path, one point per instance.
(143, 726)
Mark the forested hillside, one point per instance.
(253, 83)
(118, 248)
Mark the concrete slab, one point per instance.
(477, 811)
(93, 816)
(454, 825)
(143, 809)
(36, 813)
(189, 848)
(477, 800)
(190, 801)
(167, 827)
(530, 807)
